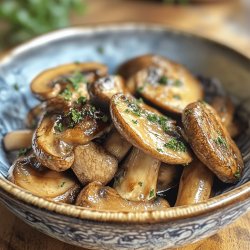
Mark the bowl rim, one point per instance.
(222, 201)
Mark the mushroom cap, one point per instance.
(50, 83)
(211, 141)
(154, 134)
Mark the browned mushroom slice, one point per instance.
(18, 139)
(225, 109)
(104, 88)
(34, 115)
(138, 177)
(128, 69)
(154, 134)
(93, 163)
(82, 124)
(100, 198)
(116, 145)
(49, 149)
(170, 86)
(211, 142)
(195, 184)
(43, 182)
(168, 177)
(51, 82)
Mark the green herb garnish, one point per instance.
(177, 83)
(63, 183)
(66, 94)
(221, 141)
(23, 151)
(237, 174)
(76, 115)
(76, 79)
(151, 193)
(140, 89)
(177, 97)
(59, 127)
(159, 149)
(140, 183)
(81, 100)
(175, 145)
(135, 121)
(163, 81)
(16, 86)
(104, 118)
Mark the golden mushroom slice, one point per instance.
(51, 82)
(195, 184)
(28, 174)
(168, 177)
(104, 88)
(81, 124)
(137, 178)
(18, 139)
(226, 109)
(99, 198)
(166, 84)
(155, 134)
(116, 145)
(211, 142)
(50, 151)
(94, 163)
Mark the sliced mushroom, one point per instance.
(138, 177)
(51, 82)
(99, 197)
(128, 69)
(225, 109)
(18, 139)
(195, 184)
(104, 88)
(164, 83)
(82, 124)
(211, 142)
(116, 145)
(28, 174)
(34, 115)
(168, 177)
(93, 163)
(49, 149)
(154, 134)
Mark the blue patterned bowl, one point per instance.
(112, 45)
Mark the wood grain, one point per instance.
(225, 22)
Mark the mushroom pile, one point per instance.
(118, 142)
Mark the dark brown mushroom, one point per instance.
(211, 141)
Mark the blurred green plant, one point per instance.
(24, 19)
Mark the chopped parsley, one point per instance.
(23, 151)
(140, 183)
(104, 118)
(237, 174)
(175, 145)
(151, 193)
(159, 149)
(63, 183)
(66, 94)
(140, 89)
(81, 100)
(177, 83)
(163, 80)
(177, 97)
(100, 50)
(76, 115)
(221, 141)
(59, 127)
(76, 79)
(135, 121)
(16, 86)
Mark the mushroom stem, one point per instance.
(99, 197)
(116, 145)
(195, 184)
(18, 139)
(138, 177)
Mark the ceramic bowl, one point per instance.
(112, 45)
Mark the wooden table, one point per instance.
(224, 22)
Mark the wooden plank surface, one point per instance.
(225, 22)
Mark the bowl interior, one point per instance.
(112, 46)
